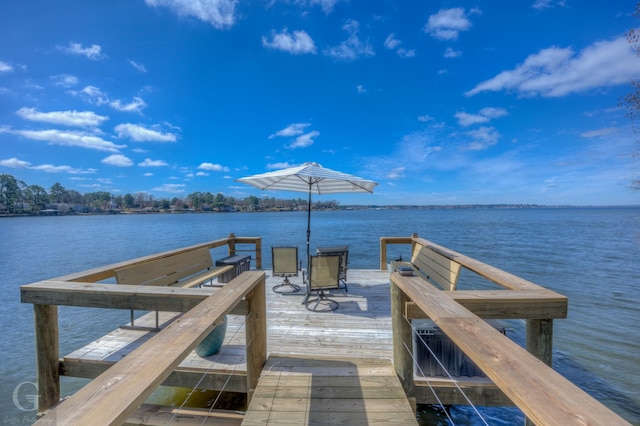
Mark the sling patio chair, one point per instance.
(343, 252)
(285, 264)
(323, 274)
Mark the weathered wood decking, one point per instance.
(360, 327)
(320, 390)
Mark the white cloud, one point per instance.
(5, 67)
(139, 67)
(67, 138)
(291, 130)
(326, 5)
(276, 166)
(92, 94)
(65, 118)
(139, 133)
(393, 44)
(396, 173)
(64, 80)
(406, 53)
(213, 167)
(556, 72)
(483, 138)
(448, 23)
(451, 53)
(172, 188)
(94, 52)
(305, 140)
(118, 160)
(297, 43)
(352, 48)
(219, 13)
(425, 118)
(148, 162)
(600, 132)
(546, 4)
(49, 168)
(14, 163)
(361, 90)
(136, 105)
(483, 116)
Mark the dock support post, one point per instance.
(231, 249)
(256, 336)
(402, 340)
(540, 344)
(258, 243)
(383, 254)
(47, 353)
(540, 339)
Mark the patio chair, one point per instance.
(343, 252)
(285, 264)
(323, 274)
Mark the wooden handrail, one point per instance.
(116, 393)
(545, 397)
(108, 271)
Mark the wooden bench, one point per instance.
(431, 266)
(187, 269)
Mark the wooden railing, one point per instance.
(545, 397)
(242, 296)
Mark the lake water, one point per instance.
(590, 255)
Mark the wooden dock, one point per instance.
(353, 365)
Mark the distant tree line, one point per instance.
(17, 197)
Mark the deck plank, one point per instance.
(314, 390)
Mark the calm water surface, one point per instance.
(590, 255)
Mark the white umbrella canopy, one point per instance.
(311, 178)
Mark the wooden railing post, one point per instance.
(402, 340)
(47, 353)
(258, 243)
(540, 339)
(540, 344)
(231, 244)
(383, 254)
(256, 335)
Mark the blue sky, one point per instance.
(440, 102)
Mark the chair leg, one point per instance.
(293, 288)
(332, 305)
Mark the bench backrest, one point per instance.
(436, 268)
(167, 270)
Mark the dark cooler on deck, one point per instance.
(240, 264)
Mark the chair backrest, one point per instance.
(342, 251)
(284, 261)
(324, 272)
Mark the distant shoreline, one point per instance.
(50, 212)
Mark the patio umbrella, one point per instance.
(311, 178)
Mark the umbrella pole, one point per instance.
(308, 225)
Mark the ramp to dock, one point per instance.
(315, 390)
